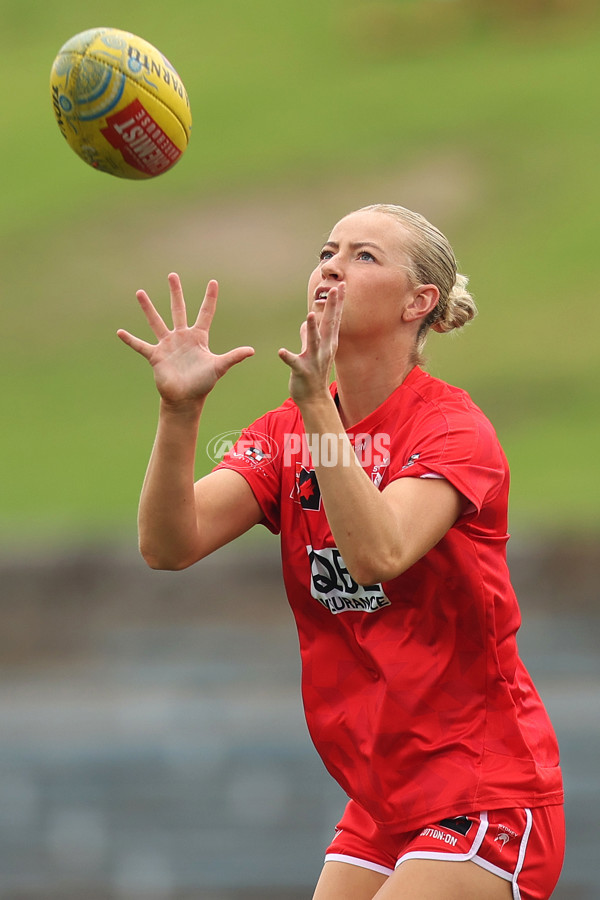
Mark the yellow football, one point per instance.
(120, 104)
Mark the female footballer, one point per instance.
(389, 490)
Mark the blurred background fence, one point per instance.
(153, 743)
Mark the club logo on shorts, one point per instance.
(505, 834)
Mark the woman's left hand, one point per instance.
(311, 368)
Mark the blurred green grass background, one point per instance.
(483, 116)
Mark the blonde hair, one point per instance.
(433, 262)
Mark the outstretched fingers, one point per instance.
(153, 317)
(184, 366)
(155, 322)
(332, 314)
(206, 313)
(142, 347)
(289, 358)
(178, 310)
(311, 332)
(319, 337)
(232, 358)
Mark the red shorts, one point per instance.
(523, 846)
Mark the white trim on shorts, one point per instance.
(508, 876)
(457, 857)
(417, 854)
(356, 861)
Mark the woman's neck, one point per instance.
(365, 380)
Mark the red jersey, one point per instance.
(414, 693)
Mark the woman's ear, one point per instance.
(424, 300)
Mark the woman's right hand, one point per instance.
(185, 369)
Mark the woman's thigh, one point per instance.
(427, 879)
(415, 879)
(344, 881)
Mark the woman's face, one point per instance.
(366, 251)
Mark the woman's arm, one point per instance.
(379, 534)
(181, 521)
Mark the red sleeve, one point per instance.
(460, 445)
(256, 455)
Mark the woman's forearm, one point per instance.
(185, 371)
(363, 524)
(167, 520)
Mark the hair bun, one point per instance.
(459, 308)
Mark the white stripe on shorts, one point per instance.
(522, 851)
(356, 861)
(502, 873)
(457, 857)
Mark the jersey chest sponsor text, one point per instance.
(334, 587)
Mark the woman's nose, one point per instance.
(330, 268)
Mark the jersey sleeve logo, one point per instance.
(335, 588)
(241, 451)
(412, 459)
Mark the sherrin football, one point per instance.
(120, 104)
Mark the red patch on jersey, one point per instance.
(307, 492)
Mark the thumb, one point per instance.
(287, 356)
(233, 357)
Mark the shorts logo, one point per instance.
(460, 824)
(334, 587)
(439, 835)
(505, 834)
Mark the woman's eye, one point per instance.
(363, 255)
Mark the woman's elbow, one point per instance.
(165, 562)
(372, 570)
